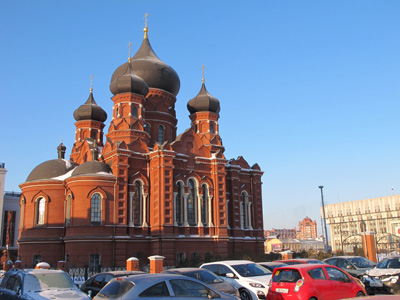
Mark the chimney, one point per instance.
(156, 263)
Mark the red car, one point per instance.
(313, 282)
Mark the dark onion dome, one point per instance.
(52, 169)
(124, 80)
(90, 111)
(155, 72)
(93, 167)
(203, 102)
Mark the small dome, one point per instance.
(93, 167)
(203, 102)
(51, 169)
(90, 111)
(124, 80)
(155, 72)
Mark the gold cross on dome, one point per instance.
(145, 18)
(129, 46)
(202, 68)
(91, 83)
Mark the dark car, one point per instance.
(271, 265)
(39, 284)
(296, 261)
(208, 277)
(385, 277)
(356, 266)
(313, 281)
(95, 283)
(159, 286)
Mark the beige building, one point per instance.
(348, 220)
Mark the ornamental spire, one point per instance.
(129, 46)
(145, 26)
(91, 83)
(202, 68)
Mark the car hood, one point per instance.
(59, 294)
(262, 279)
(223, 287)
(380, 272)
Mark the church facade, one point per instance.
(139, 189)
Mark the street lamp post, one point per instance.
(323, 212)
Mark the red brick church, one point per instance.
(142, 190)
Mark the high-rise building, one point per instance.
(307, 229)
(144, 190)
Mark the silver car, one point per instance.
(156, 286)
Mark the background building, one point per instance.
(281, 233)
(348, 220)
(144, 190)
(9, 217)
(307, 229)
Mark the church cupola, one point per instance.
(61, 150)
(90, 119)
(204, 112)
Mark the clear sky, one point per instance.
(309, 90)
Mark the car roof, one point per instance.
(120, 272)
(230, 262)
(304, 266)
(185, 270)
(271, 263)
(38, 271)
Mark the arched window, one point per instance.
(22, 214)
(243, 211)
(137, 204)
(93, 134)
(95, 216)
(160, 134)
(212, 128)
(68, 212)
(40, 211)
(179, 204)
(191, 203)
(134, 111)
(204, 205)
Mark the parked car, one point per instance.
(384, 278)
(356, 266)
(156, 286)
(249, 278)
(271, 265)
(208, 277)
(295, 261)
(39, 284)
(95, 283)
(313, 281)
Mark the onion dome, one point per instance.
(155, 72)
(203, 102)
(90, 111)
(124, 80)
(52, 169)
(93, 167)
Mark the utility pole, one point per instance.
(323, 212)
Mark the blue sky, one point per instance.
(309, 90)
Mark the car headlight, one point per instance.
(256, 285)
(394, 279)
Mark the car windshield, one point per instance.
(202, 275)
(389, 263)
(250, 270)
(361, 262)
(39, 282)
(287, 275)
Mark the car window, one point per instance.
(337, 275)
(286, 275)
(97, 281)
(108, 278)
(10, 283)
(223, 270)
(116, 289)
(361, 262)
(317, 273)
(250, 270)
(188, 288)
(394, 263)
(204, 275)
(344, 264)
(157, 290)
(212, 268)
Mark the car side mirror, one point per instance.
(90, 294)
(230, 275)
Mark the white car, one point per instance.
(248, 277)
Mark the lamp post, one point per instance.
(323, 212)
